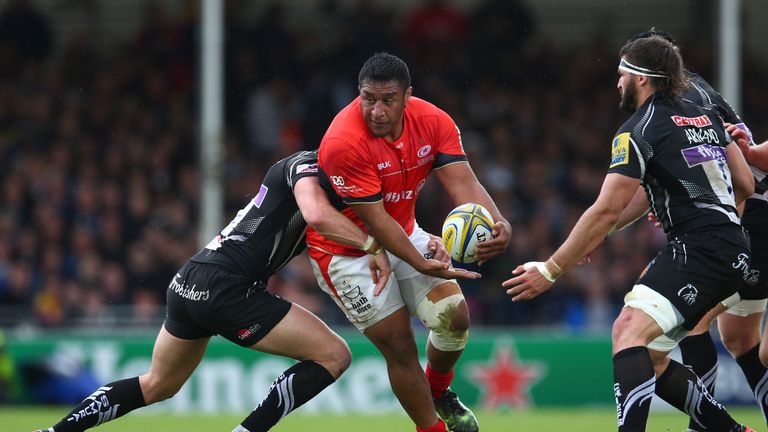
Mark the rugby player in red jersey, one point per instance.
(374, 160)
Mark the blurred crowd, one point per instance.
(99, 192)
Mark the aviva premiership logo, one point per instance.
(620, 150)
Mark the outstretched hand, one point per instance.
(527, 284)
(435, 268)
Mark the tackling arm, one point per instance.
(330, 223)
(323, 217)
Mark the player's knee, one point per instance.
(448, 321)
(460, 320)
(156, 389)
(341, 360)
(335, 357)
(624, 334)
(739, 342)
(619, 328)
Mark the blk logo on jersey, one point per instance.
(384, 165)
(699, 122)
(702, 153)
(696, 136)
(620, 150)
(306, 168)
(688, 293)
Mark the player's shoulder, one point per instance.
(697, 83)
(650, 112)
(420, 107)
(302, 157)
(427, 113)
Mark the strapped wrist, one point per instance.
(376, 252)
(368, 244)
(553, 268)
(549, 269)
(371, 247)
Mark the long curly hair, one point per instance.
(658, 54)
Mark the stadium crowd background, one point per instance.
(98, 174)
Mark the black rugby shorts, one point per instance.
(698, 270)
(204, 300)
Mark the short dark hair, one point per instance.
(653, 32)
(382, 67)
(658, 54)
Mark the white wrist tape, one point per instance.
(541, 268)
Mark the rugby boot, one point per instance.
(455, 414)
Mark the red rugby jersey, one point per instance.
(363, 168)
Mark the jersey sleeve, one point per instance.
(351, 174)
(626, 157)
(303, 165)
(448, 138)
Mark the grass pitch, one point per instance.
(535, 420)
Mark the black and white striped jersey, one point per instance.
(269, 230)
(701, 93)
(677, 150)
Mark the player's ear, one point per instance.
(408, 93)
(643, 80)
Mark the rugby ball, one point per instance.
(464, 227)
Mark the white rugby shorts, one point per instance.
(348, 281)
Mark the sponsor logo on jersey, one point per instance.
(702, 153)
(620, 150)
(699, 122)
(306, 168)
(696, 136)
(394, 197)
(383, 165)
(337, 180)
(688, 293)
(425, 160)
(424, 151)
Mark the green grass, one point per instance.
(538, 420)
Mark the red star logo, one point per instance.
(505, 381)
